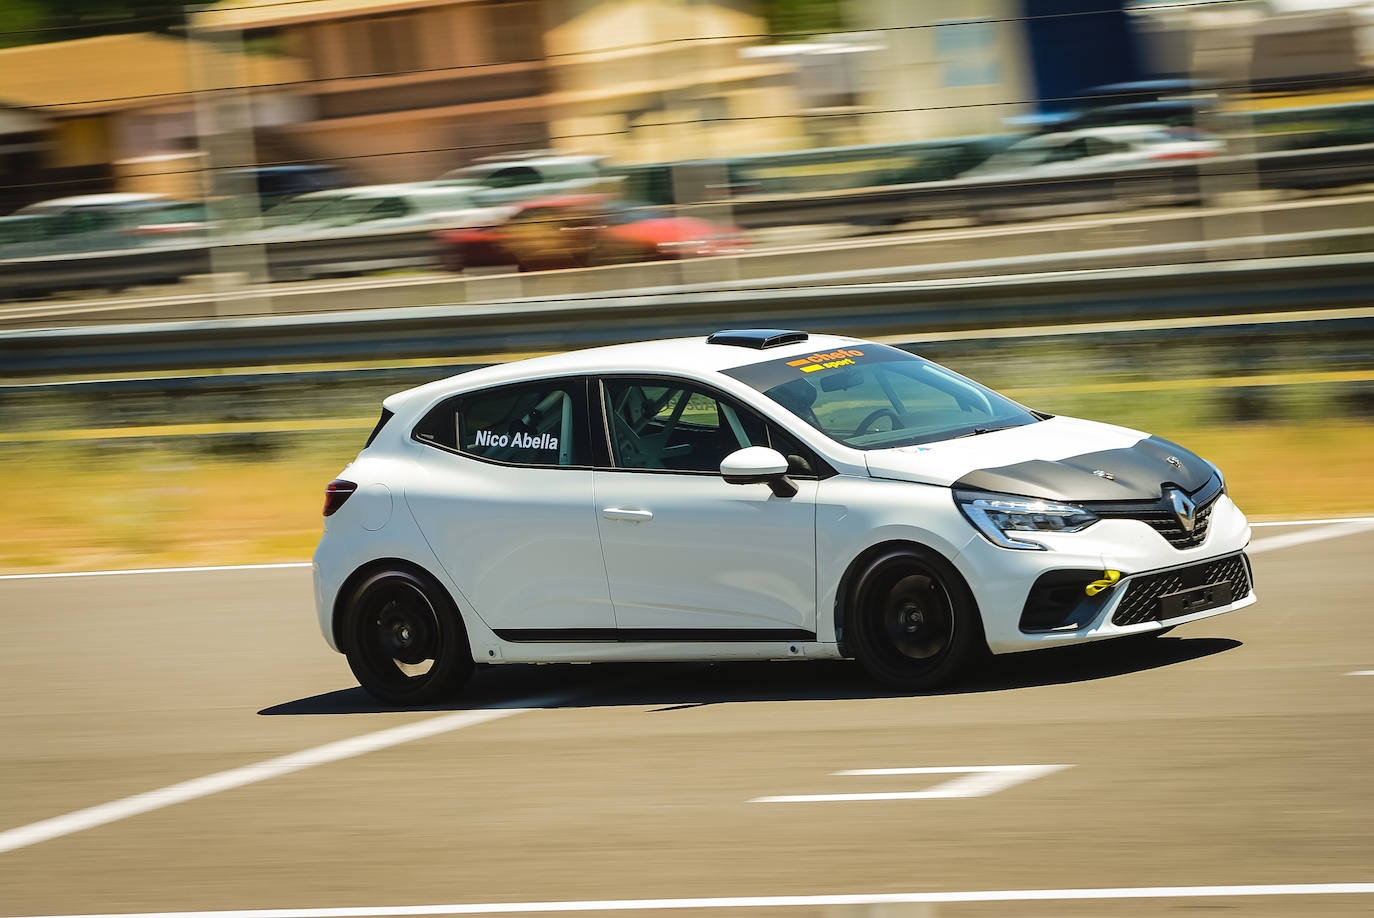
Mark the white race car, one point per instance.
(757, 494)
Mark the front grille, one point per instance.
(1166, 524)
(1159, 515)
(1141, 602)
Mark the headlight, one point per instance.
(1219, 475)
(995, 515)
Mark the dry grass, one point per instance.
(115, 506)
(1291, 471)
(154, 508)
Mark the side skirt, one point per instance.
(650, 635)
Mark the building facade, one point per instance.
(403, 90)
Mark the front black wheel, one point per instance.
(912, 623)
(405, 641)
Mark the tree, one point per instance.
(28, 22)
(804, 16)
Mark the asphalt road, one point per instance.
(1235, 751)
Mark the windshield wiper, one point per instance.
(983, 430)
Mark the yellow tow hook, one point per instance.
(1108, 581)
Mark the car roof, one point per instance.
(405, 189)
(103, 200)
(1116, 130)
(665, 357)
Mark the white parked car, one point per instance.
(756, 494)
(513, 178)
(100, 222)
(1096, 149)
(347, 212)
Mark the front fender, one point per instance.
(856, 515)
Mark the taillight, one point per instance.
(335, 493)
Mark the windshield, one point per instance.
(870, 396)
(299, 210)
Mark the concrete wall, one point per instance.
(934, 79)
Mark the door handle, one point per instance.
(629, 516)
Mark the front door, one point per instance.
(688, 556)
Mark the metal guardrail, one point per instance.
(1351, 327)
(992, 199)
(1215, 289)
(287, 259)
(1273, 230)
(986, 199)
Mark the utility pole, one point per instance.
(224, 123)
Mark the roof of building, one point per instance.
(114, 72)
(262, 14)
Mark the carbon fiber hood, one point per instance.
(1058, 459)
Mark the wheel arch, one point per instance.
(361, 574)
(869, 562)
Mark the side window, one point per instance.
(1097, 146)
(389, 209)
(513, 177)
(665, 424)
(1075, 149)
(536, 424)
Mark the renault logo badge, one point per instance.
(1103, 473)
(1183, 508)
(1174, 461)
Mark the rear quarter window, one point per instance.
(539, 424)
(381, 422)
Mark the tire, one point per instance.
(405, 641)
(912, 623)
(453, 260)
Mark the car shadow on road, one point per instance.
(667, 687)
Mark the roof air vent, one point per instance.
(757, 338)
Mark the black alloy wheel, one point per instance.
(912, 623)
(405, 641)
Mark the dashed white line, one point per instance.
(973, 781)
(290, 564)
(1362, 672)
(1289, 540)
(159, 570)
(1338, 519)
(628, 905)
(116, 810)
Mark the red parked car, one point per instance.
(581, 230)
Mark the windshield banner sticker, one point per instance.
(828, 361)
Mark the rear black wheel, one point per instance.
(405, 641)
(912, 623)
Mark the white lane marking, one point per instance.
(1338, 519)
(159, 570)
(113, 811)
(289, 564)
(975, 781)
(1362, 672)
(630, 905)
(1288, 540)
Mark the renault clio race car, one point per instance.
(757, 494)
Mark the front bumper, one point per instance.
(1001, 579)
